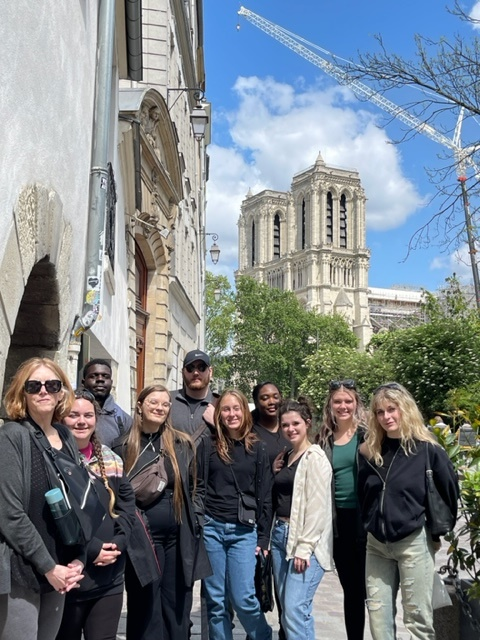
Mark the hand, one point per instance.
(74, 580)
(436, 546)
(63, 578)
(107, 555)
(259, 549)
(278, 462)
(208, 415)
(300, 565)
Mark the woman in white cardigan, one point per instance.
(301, 541)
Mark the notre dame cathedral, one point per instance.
(312, 240)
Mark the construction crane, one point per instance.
(461, 155)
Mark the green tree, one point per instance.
(333, 362)
(220, 313)
(440, 356)
(273, 334)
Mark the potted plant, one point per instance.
(463, 552)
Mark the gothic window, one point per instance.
(329, 218)
(343, 222)
(277, 236)
(141, 314)
(253, 245)
(303, 225)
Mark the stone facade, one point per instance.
(312, 241)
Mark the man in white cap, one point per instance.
(193, 405)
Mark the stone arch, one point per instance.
(35, 288)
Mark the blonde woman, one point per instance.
(36, 568)
(392, 493)
(94, 609)
(160, 462)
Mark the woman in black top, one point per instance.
(392, 493)
(36, 568)
(94, 609)
(160, 462)
(237, 465)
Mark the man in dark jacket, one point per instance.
(193, 405)
(112, 421)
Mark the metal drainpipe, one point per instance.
(98, 171)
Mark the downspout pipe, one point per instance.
(98, 170)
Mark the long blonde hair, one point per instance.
(223, 440)
(15, 400)
(329, 422)
(411, 424)
(169, 437)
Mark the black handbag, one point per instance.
(263, 581)
(439, 518)
(86, 512)
(246, 506)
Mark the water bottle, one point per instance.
(56, 502)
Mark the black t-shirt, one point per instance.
(283, 488)
(275, 441)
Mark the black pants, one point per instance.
(162, 609)
(95, 618)
(350, 559)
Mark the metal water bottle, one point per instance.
(56, 502)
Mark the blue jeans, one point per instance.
(295, 589)
(408, 564)
(231, 549)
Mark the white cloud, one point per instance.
(458, 262)
(474, 14)
(278, 130)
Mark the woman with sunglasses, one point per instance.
(160, 462)
(340, 436)
(94, 609)
(392, 493)
(36, 568)
(301, 539)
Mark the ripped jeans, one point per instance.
(407, 564)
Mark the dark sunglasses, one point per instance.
(201, 367)
(52, 387)
(395, 386)
(348, 384)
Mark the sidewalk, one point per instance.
(328, 611)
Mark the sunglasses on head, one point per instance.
(348, 384)
(395, 386)
(52, 387)
(201, 367)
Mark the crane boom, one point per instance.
(363, 91)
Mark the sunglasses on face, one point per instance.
(348, 384)
(201, 367)
(52, 387)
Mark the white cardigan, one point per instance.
(310, 523)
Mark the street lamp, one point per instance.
(199, 117)
(214, 251)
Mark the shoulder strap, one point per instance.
(235, 480)
(428, 461)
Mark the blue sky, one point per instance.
(273, 112)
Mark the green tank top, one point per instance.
(345, 473)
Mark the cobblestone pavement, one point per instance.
(328, 611)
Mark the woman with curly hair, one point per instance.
(341, 433)
(160, 462)
(238, 476)
(94, 609)
(36, 568)
(392, 494)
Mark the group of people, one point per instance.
(195, 486)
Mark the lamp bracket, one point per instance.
(197, 92)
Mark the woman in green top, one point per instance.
(340, 436)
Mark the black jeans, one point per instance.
(350, 559)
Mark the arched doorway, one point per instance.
(37, 326)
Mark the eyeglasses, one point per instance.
(201, 367)
(165, 405)
(395, 386)
(348, 384)
(85, 394)
(52, 387)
